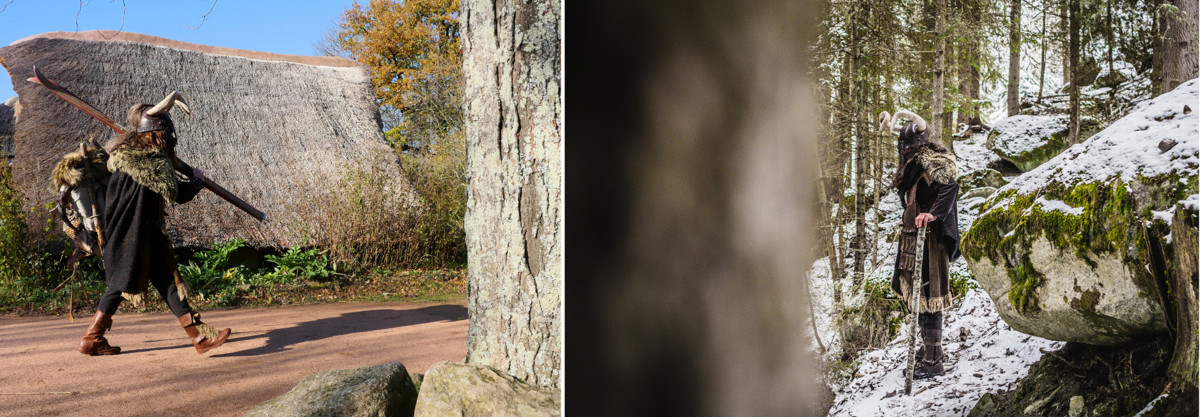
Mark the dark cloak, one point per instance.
(136, 248)
(932, 172)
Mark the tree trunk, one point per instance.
(1014, 58)
(1158, 42)
(1074, 90)
(514, 219)
(939, 69)
(1179, 45)
(1183, 368)
(1042, 71)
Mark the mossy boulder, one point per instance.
(1063, 250)
(461, 389)
(1028, 141)
(376, 391)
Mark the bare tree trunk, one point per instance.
(1014, 57)
(861, 144)
(1179, 45)
(1042, 72)
(514, 217)
(949, 78)
(939, 69)
(1074, 90)
(1158, 43)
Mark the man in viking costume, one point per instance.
(137, 252)
(928, 189)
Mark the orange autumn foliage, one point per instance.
(412, 50)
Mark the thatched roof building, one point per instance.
(274, 129)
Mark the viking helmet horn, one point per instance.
(166, 104)
(921, 125)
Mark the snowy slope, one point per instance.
(1130, 146)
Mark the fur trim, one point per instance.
(207, 332)
(137, 301)
(941, 166)
(149, 167)
(928, 305)
(76, 169)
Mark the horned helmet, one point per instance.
(146, 118)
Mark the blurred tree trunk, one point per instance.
(1179, 45)
(1014, 58)
(514, 219)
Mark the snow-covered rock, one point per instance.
(1028, 141)
(1062, 249)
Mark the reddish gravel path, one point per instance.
(158, 373)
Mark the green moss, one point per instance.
(1087, 301)
(1026, 281)
(1111, 222)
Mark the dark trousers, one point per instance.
(166, 287)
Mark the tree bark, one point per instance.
(514, 219)
(939, 69)
(1042, 71)
(1183, 368)
(1074, 89)
(1014, 58)
(1179, 45)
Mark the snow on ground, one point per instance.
(1129, 147)
(982, 355)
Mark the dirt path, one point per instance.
(159, 373)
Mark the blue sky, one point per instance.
(286, 27)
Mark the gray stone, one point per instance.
(469, 390)
(977, 192)
(1076, 406)
(384, 390)
(981, 178)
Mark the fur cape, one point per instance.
(150, 167)
(942, 166)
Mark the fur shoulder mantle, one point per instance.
(942, 166)
(149, 167)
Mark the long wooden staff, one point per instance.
(182, 167)
(914, 306)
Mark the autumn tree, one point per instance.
(411, 48)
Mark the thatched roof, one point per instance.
(274, 129)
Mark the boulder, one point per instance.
(384, 390)
(981, 183)
(469, 390)
(1063, 249)
(1028, 141)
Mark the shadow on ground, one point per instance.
(279, 340)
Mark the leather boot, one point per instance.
(929, 363)
(204, 337)
(93, 342)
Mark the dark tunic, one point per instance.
(941, 239)
(136, 248)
